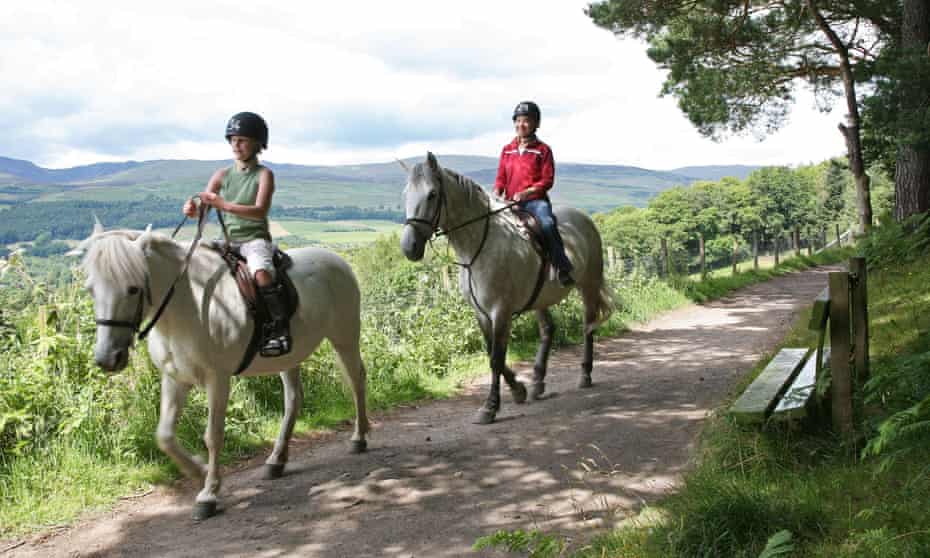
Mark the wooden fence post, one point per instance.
(839, 241)
(776, 239)
(841, 385)
(797, 241)
(755, 250)
(735, 255)
(610, 258)
(860, 318)
(665, 258)
(701, 254)
(618, 263)
(446, 280)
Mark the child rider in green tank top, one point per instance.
(243, 192)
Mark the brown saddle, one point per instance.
(249, 291)
(532, 230)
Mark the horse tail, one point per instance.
(599, 299)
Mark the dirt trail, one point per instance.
(433, 482)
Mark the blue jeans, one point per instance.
(542, 209)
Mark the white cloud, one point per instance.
(347, 82)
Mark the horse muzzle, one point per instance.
(412, 244)
(113, 360)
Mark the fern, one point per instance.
(779, 544)
(897, 434)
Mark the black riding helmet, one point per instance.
(250, 125)
(527, 108)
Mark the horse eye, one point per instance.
(133, 290)
(432, 195)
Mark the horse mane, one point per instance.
(117, 258)
(472, 188)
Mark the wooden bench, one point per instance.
(785, 389)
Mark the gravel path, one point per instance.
(432, 482)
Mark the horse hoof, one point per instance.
(585, 381)
(485, 416)
(204, 510)
(359, 446)
(537, 390)
(273, 471)
(519, 393)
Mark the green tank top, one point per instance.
(242, 188)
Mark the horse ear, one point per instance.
(433, 163)
(98, 226)
(144, 239)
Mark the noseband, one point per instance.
(433, 223)
(144, 295)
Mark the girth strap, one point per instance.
(540, 279)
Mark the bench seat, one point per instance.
(794, 403)
(761, 397)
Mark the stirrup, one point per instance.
(275, 343)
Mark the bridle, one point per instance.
(436, 232)
(145, 292)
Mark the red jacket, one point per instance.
(520, 171)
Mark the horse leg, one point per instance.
(351, 360)
(500, 335)
(484, 324)
(173, 397)
(590, 319)
(293, 401)
(217, 400)
(546, 332)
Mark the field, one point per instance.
(342, 233)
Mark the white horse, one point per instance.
(202, 334)
(500, 269)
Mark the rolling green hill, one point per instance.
(592, 187)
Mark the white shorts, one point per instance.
(257, 254)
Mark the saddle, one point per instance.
(529, 228)
(249, 291)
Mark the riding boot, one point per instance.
(276, 335)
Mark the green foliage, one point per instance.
(897, 243)
(899, 384)
(779, 544)
(889, 119)
(769, 203)
(534, 543)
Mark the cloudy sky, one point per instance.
(348, 82)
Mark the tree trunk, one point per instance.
(850, 131)
(912, 171)
(702, 255)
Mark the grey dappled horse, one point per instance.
(204, 330)
(500, 269)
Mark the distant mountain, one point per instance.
(31, 173)
(593, 187)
